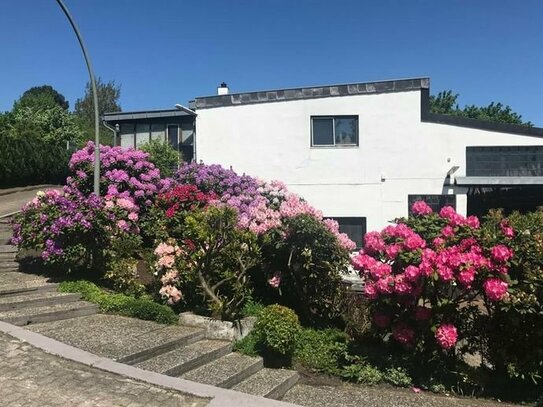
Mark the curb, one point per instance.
(9, 191)
(220, 397)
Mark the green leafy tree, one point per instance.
(163, 155)
(41, 98)
(446, 102)
(108, 101)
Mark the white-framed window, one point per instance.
(334, 131)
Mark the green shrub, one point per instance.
(310, 261)
(121, 304)
(321, 350)
(163, 155)
(398, 376)
(514, 330)
(29, 160)
(362, 373)
(277, 328)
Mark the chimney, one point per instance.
(223, 89)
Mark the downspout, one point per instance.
(113, 129)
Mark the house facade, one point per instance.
(363, 152)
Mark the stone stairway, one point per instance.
(180, 351)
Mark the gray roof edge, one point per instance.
(312, 92)
(145, 114)
(504, 181)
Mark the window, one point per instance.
(142, 134)
(158, 132)
(334, 131)
(173, 135)
(436, 202)
(504, 161)
(355, 228)
(127, 135)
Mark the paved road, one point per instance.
(12, 202)
(30, 377)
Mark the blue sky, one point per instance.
(164, 52)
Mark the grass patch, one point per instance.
(121, 304)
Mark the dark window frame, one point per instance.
(436, 207)
(353, 220)
(334, 118)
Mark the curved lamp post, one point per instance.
(95, 98)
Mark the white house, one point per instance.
(363, 152)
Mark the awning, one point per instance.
(498, 181)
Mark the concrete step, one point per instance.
(8, 255)
(226, 371)
(124, 339)
(269, 383)
(37, 299)
(16, 282)
(6, 265)
(7, 248)
(55, 312)
(183, 359)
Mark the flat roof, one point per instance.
(498, 181)
(311, 92)
(146, 114)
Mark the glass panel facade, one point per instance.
(436, 202)
(505, 161)
(346, 130)
(323, 132)
(173, 135)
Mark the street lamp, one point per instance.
(95, 98)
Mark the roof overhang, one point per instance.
(498, 181)
(149, 114)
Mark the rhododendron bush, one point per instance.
(428, 277)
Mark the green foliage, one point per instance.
(29, 160)
(121, 304)
(445, 102)
(277, 328)
(215, 270)
(310, 262)
(362, 373)
(514, 331)
(41, 97)
(321, 350)
(398, 376)
(108, 101)
(52, 125)
(122, 274)
(163, 155)
(248, 345)
(252, 308)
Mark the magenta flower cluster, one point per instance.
(124, 173)
(261, 206)
(408, 275)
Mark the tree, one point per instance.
(108, 101)
(41, 97)
(445, 102)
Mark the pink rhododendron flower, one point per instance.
(438, 242)
(171, 294)
(465, 277)
(164, 248)
(380, 270)
(447, 231)
(506, 229)
(385, 285)
(373, 242)
(393, 250)
(381, 320)
(415, 242)
(133, 216)
(370, 291)
(495, 289)
(412, 273)
(501, 253)
(401, 286)
(445, 273)
(275, 281)
(403, 333)
(166, 261)
(473, 222)
(169, 277)
(421, 208)
(446, 336)
(362, 261)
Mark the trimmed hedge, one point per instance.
(28, 160)
(120, 304)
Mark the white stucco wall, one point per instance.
(397, 153)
